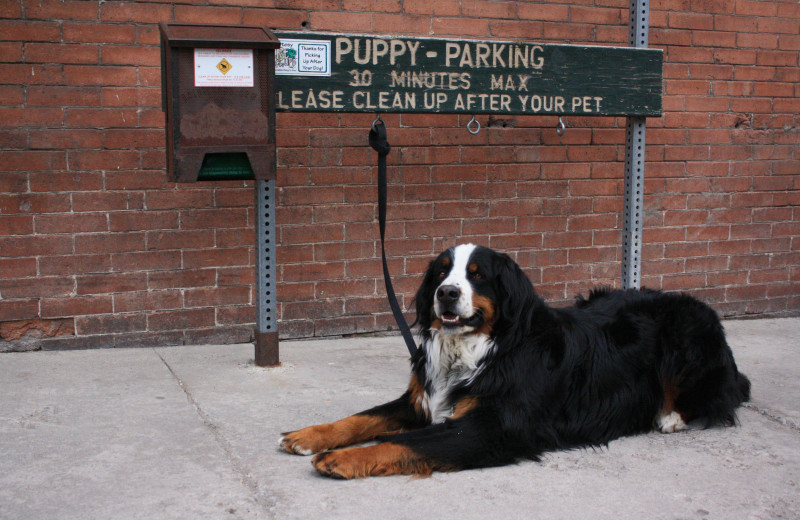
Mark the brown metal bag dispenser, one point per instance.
(218, 95)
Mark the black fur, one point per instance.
(580, 376)
(558, 378)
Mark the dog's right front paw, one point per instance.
(307, 441)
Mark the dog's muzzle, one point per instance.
(447, 297)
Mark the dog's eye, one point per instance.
(442, 274)
(476, 276)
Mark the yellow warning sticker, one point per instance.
(224, 66)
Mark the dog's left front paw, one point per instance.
(334, 464)
(381, 459)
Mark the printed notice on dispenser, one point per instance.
(223, 68)
(303, 58)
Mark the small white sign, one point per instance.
(303, 58)
(223, 68)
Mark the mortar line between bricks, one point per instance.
(771, 416)
(227, 448)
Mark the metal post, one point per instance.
(638, 27)
(266, 333)
(634, 199)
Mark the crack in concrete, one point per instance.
(267, 505)
(772, 416)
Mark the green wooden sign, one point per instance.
(317, 72)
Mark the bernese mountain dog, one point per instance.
(500, 376)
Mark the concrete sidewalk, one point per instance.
(191, 432)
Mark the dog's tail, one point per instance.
(743, 386)
(722, 409)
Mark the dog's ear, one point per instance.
(423, 300)
(515, 294)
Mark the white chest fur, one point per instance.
(451, 360)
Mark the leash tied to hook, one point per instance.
(378, 141)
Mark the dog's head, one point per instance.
(471, 289)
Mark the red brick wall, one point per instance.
(98, 249)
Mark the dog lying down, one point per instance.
(501, 376)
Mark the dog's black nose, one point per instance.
(448, 293)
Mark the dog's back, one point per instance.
(694, 363)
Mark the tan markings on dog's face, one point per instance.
(489, 313)
(445, 267)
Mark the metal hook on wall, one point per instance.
(561, 128)
(477, 126)
(377, 118)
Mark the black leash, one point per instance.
(377, 140)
